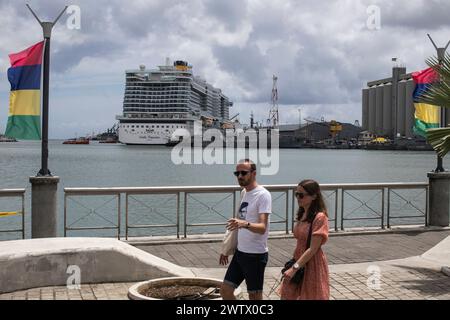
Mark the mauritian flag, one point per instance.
(426, 115)
(24, 118)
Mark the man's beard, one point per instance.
(243, 183)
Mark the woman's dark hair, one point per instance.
(317, 205)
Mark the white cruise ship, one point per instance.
(157, 102)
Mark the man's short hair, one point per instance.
(252, 164)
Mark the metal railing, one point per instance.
(14, 193)
(181, 218)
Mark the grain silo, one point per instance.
(387, 110)
(409, 108)
(372, 108)
(379, 110)
(401, 90)
(365, 109)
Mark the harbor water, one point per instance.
(117, 165)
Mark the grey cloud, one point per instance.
(247, 63)
(418, 15)
(230, 13)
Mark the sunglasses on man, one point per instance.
(242, 173)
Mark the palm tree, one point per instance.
(438, 94)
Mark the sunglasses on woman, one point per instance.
(242, 173)
(300, 195)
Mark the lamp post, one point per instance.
(44, 186)
(47, 31)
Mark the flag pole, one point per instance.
(440, 55)
(47, 31)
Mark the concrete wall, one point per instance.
(35, 263)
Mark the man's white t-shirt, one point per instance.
(254, 203)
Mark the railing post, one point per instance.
(336, 201)
(287, 211)
(234, 204)
(126, 215)
(382, 208)
(293, 211)
(65, 214)
(427, 194)
(119, 212)
(178, 215)
(23, 215)
(389, 208)
(185, 215)
(342, 208)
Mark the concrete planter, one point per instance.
(136, 291)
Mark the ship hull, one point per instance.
(147, 133)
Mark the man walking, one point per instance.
(250, 258)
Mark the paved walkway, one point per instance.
(339, 249)
(352, 260)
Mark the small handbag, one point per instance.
(298, 276)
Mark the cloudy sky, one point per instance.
(323, 52)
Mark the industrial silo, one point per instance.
(379, 110)
(401, 107)
(365, 109)
(387, 110)
(409, 108)
(372, 108)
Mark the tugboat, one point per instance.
(109, 140)
(81, 140)
(6, 139)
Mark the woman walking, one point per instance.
(312, 214)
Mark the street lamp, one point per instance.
(299, 117)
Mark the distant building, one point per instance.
(388, 108)
(295, 136)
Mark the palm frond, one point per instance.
(438, 93)
(439, 139)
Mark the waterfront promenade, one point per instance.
(403, 275)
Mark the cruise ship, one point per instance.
(158, 102)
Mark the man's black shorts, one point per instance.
(248, 266)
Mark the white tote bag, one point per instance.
(230, 240)
(229, 243)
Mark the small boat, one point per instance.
(80, 140)
(7, 139)
(108, 140)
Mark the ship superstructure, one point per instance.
(157, 102)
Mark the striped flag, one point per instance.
(25, 97)
(426, 115)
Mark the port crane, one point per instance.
(273, 121)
